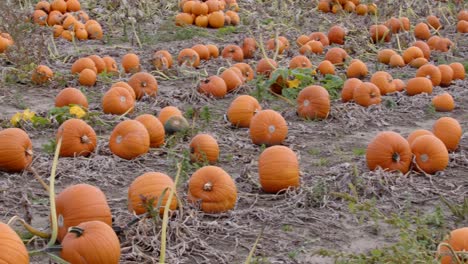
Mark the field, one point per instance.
(341, 213)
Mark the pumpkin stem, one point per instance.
(84, 139)
(29, 152)
(424, 157)
(143, 84)
(396, 157)
(208, 186)
(28, 227)
(77, 230)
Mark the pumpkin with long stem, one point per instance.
(390, 151)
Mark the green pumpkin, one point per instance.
(176, 124)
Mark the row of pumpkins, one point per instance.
(208, 13)
(335, 6)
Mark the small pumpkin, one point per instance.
(399, 84)
(266, 66)
(336, 35)
(449, 131)
(43, 5)
(69, 96)
(87, 77)
(446, 73)
(418, 62)
(81, 64)
(417, 133)
(91, 242)
(168, 112)
(247, 71)
(111, 65)
(326, 67)
(462, 26)
(81, 203)
(361, 9)
(384, 55)
(216, 19)
(232, 79)
(268, 127)
(357, 69)
(458, 71)
(434, 22)
(380, 33)
(233, 52)
(383, 80)
(155, 129)
(242, 109)
(213, 189)
(214, 86)
(126, 86)
(314, 46)
(162, 60)
(175, 124)
(203, 51)
(131, 63)
(204, 148)
(458, 240)
(12, 247)
(390, 151)
(78, 138)
(430, 154)
(396, 61)
(302, 40)
(249, 46)
(16, 151)
(313, 102)
(94, 31)
(347, 93)
(129, 139)
(278, 169)
(98, 62)
(418, 85)
(336, 55)
(421, 31)
(73, 6)
(431, 72)
(118, 101)
(424, 48)
(300, 61)
(271, 45)
(412, 53)
(143, 84)
(148, 188)
(183, 19)
(59, 5)
(42, 74)
(367, 94)
(214, 51)
(188, 57)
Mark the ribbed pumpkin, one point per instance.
(188, 57)
(384, 55)
(268, 127)
(204, 148)
(458, 71)
(155, 129)
(366, 94)
(431, 72)
(266, 66)
(417, 133)
(15, 151)
(242, 109)
(326, 67)
(91, 242)
(213, 189)
(380, 33)
(390, 151)
(162, 60)
(347, 93)
(446, 75)
(449, 131)
(42, 74)
(313, 102)
(81, 64)
(430, 154)
(418, 85)
(12, 249)
(232, 79)
(126, 86)
(357, 69)
(168, 112)
(278, 169)
(383, 80)
(129, 139)
(458, 240)
(246, 70)
(78, 138)
(117, 101)
(80, 203)
(99, 62)
(131, 63)
(176, 124)
(69, 96)
(443, 102)
(149, 187)
(143, 83)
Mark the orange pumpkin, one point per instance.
(232, 79)
(268, 127)
(278, 169)
(443, 102)
(357, 69)
(16, 151)
(380, 33)
(458, 71)
(214, 86)
(42, 74)
(98, 62)
(91, 242)
(458, 240)
(449, 131)
(87, 77)
(249, 46)
(183, 19)
(326, 67)
(367, 94)
(431, 72)
(204, 148)
(78, 138)
(131, 63)
(126, 86)
(417, 133)
(421, 31)
(430, 154)
(213, 189)
(313, 102)
(412, 53)
(162, 60)
(69, 96)
(383, 80)
(266, 66)
(203, 51)
(143, 83)
(434, 22)
(337, 34)
(11, 247)
(129, 139)
(168, 112)
(214, 51)
(336, 55)
(155, 129)
(81, 203)
(247, 71)
(384, 55)
(446, 73)
(390, 151)
(242, 109)
(188, 57)
(300, 61)
(418, 85)
(111, 65)
(233, 52)
(118, 101)
(424, 48)
(319, 36)
(81, 64)
(147, 189)
(347, 93)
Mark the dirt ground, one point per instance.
(294, 226)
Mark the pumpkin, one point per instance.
(449, 131)
(58, 30)
(462, 26)
(235, 19)
(203, 51)
(324, 6)
(187, 7)
(162, 60)
(384, 55)
(458, 71)
(434, 22)
(432, 42)
(326, 67)
(232, 79)
(87, 77)
(247, 71)
(458, 240)
(188, 57)
(399, 84)
(81, 64)
(357, 69)
(412, 53)
(143, 84)
(347, 92)
(418, 85)
(418, 62)
(16, 151)
(390, 151)
(42, 74)
(266, 67)
(80, 203)
(69, 96)
(446, 73)
(394, 24)
(242, 109)
(155, 129)
(91, 242)
(213, 189)
(129, 139)
(430, 154)
(131, 63)
(361, 9)
(302, 40)
(380, 33)
(213, 5)
(12, 249)
(336, 55)
(98, 62)
(233, 52)
(249, 46)
(417, 133)
(336, 34)
(126, 86)
(405, 23)
(59, 5)
(443, 45)
(396, 61)
(82, 16)
(43, 5)
(278, 169)
(68, 35)
(268, 127)
(372, 8)
(421, 31)
(383, 80)
(168, 112)
(424, 48)
(214, 51)
(73, 6)
(313, 102)
(349, 7)
(183, 19)
(271, 45)
(54, 18)
(315, 46)
(367, 94)
(431, 72)
(118, 101)
(94, 31)
(148, 188)
(216, 19)
(199, 8)
(111, 65)
(175, 124)
(78, 138)
(214, 86)
(300, 61)
(204, 148)
(462, 15)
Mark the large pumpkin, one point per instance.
(458, 240)
(143, 83)
(268, 127)
(366, 94)
(91, 242)
(78, 138)
(129, 139)
(70, 96)
(213, 188)
(12, 249)
(155, 129)
(149, 188)
(390, 151)
(417, 133)
(118, 101)
(204, 147)
(15, 150)
(430, 153)
(278, 169)
(242, 109)
(449, 131)
(80, 203)
(313, 102)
